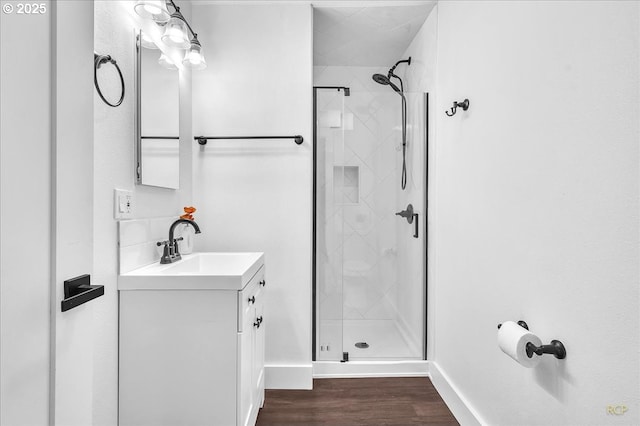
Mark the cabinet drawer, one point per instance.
(248, 299)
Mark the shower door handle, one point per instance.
(415, 220)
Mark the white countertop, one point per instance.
(197, 271)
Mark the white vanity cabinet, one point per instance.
(192, 356)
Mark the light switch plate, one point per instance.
(123, 204)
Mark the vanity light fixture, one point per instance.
(152, 9)
(176, 31)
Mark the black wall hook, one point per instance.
(464, 105)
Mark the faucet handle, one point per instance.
(176, 253)
(166, 256)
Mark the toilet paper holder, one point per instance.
(555, 348)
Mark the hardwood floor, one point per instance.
(358, 402)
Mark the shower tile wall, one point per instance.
(366, 191)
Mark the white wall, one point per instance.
(25, 219)
(115, 22)
(537, 206)
(256, 195)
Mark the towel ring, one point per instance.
(98, 61)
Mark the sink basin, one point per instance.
(198, 271)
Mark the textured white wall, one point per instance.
(25, 219)
(256, 195)
(537, 206)
(115, 22)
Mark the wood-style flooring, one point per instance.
(358, 402)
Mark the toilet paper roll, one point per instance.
(513, 339)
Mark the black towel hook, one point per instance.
(464, 105)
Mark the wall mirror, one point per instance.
(157, 109)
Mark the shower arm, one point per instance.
(393, 68)
(404, 61)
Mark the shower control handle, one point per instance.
(407, 214)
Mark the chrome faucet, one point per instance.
(171, 253)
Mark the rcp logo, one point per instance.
(617, 410)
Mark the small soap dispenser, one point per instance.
(186, 245)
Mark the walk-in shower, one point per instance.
(369, 269)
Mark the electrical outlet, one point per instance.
(122, 204)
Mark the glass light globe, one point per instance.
(194, 58)
(175, 32)
(152, 9)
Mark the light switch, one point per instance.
(123, 204)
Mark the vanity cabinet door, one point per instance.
(178, 357)
(257, 376)
(245, 355)
(250, 350)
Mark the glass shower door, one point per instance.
(329, 223)
(383, 263)
(370, 267)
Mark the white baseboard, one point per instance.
(281, 376)
(353, 369)
(459, 406)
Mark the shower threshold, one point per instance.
(378, 368)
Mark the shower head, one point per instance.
(381, 79)
(384, 80)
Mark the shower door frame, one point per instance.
(425, 263)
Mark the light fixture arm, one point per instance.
(177, 9)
